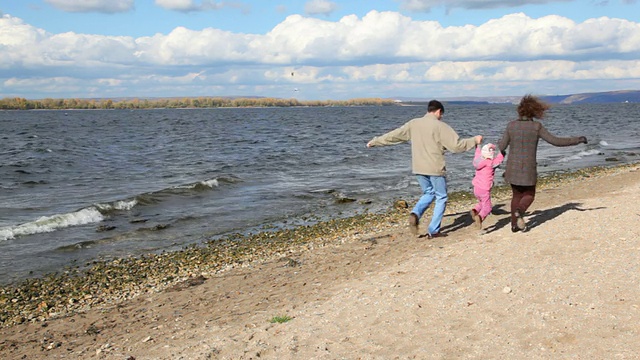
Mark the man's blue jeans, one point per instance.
(433, 188)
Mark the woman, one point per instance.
(521, 137)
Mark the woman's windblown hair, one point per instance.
(531, 107)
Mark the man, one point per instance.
(429, 137)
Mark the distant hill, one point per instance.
(622, 96)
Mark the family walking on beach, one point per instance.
(430, 137)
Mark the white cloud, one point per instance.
(378, 37)
(104, 6)
(602, 35)
(324, 7)
(31, 48)
(480, 71)
(202, 5)
(188, 47)
(427, 5)
(381, 51)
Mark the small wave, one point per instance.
(87, 244)
(97, 212)
(603, 143)
(405, 183)
(203, 185)
(156, 227)
(580, 155)
(323, 191)
(33, 183)
(339, 197)
(210, 183)
(155, 197)
(52, 223)
(77, 246)
(120, 205)
(200, 185)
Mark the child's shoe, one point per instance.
(476, 218)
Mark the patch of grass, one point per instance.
(280, 319)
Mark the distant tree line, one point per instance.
(177, 103)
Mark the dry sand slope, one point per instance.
(567, 289)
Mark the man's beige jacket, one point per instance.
(429, 139)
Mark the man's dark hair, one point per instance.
(435, 105)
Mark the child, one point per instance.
(485, 162)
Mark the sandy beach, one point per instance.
(568, 288)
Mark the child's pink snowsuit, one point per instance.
(483, 180)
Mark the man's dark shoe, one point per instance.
(514, 229)
(435, 235)
(413, 223)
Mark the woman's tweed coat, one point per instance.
(521, 137)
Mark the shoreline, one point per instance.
(107, 283)
(566, 288)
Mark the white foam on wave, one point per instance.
(210, 183)
(123, 205)
(52, 223)
(603, 143)
(580, 155)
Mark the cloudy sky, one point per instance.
(317, 49)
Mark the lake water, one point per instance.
(82, 185)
